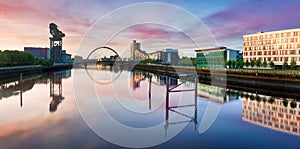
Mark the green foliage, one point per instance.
(233, 64)
(238, 64)
(228, 63)
(265, 64)
(146, 61)
(257, 63)
(185, 61)
(252, 63)
(285, 65)
(293, 64)
(247, 64)
(271, 64)
(242, 64)
(20, 58)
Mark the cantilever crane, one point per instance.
(57, 34)
(56, 43)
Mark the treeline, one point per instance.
(20, 58)
(258, 63)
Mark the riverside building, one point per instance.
(216, 57)
(276, 46)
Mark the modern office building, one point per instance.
(166, 56)
(136, 54)
(274, 115)
(276, 46)
(42, 53)
(216, 57)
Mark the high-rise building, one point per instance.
(42, 53)
(136, 53)
(276, 46)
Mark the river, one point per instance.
(92, 108)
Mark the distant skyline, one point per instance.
(25, 23)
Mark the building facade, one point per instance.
(41, 53)
(274, 115)
(276, 46)
(136, 54)
(166, 56)
(216, 57)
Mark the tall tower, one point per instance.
(55, 43)
(135, 46)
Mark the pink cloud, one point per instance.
(254, 16)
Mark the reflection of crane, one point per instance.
(56, 43)
(55, 91)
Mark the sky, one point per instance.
(26, 23)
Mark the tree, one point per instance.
(247, 63)
(185, 61)
(252, 63)
(228, 63)
(293, 64)
(233, 64)
(285, 65)
(265, 64)
(146, 61)
(258, 63)
(271, 64)
(238, 64)
(242, 64)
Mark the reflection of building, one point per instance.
(214, 93)
(136, 53)
(42, 53)
(272, 115)
(215, 57)
(135, 79)
(161, 80)
(169, 56)
(276, 46)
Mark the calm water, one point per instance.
(83, 109)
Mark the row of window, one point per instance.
(270, 53)
(273, 41)
(274, 35)
(272, 47)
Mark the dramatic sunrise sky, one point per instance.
(25, 23)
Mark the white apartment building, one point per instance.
(276, 46)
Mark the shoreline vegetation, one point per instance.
(20, 58)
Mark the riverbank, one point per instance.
(8, 72)
(270, 75)
(285, 85)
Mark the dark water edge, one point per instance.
(10, 73)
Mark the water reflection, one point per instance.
(56, 88)
(19, 86)
(276, 113)
(273, 113)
